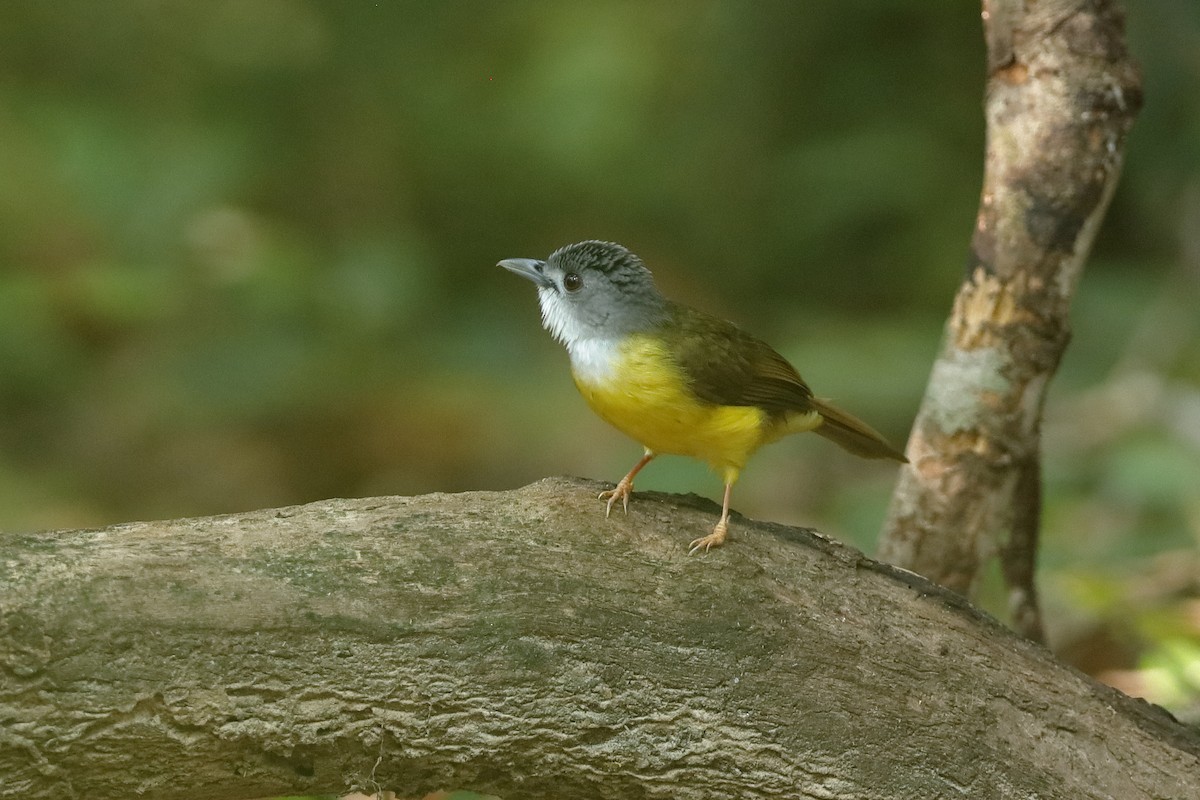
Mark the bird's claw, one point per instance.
(622, 491)
(714, 539)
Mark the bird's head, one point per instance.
(592, 290)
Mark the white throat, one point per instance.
(594, 361)
(593, 357)
(557, 317)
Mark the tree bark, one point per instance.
(520, 643)
(1062, 94)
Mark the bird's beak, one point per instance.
(528, 268)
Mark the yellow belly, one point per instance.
(645, 396)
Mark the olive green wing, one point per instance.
(726, 366)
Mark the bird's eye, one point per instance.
(572, 282)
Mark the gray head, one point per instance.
(592, 290)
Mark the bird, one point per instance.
(675, 379)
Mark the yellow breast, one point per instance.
(641, 392)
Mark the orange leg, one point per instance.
(625, 487)
(717, 537)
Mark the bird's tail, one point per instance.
(852, 433)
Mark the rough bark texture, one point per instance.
(1062, 94)
(522, 644)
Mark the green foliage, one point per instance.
(247, 249)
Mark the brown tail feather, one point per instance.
(853, 434)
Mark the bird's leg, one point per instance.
(624, 487)
(717, 537)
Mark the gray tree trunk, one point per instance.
(521, 644)
(1062, 94)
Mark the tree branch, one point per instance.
(522, 644)
(1062, 94)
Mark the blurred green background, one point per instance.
(247, 256)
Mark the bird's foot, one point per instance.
(714, 539)
(622, 492)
